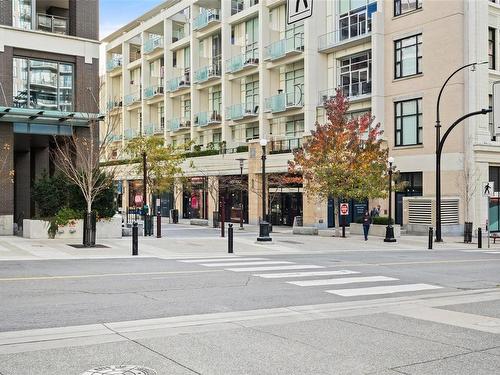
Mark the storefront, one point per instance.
(195, 199)
(285, 198)
(234, 197)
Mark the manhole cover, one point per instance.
(120, 370)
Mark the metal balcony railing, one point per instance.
(345, 34)
(114, 63)
(352, 91)
(132, 98)
(207, 118)
(240, 62)
(212, 71)
(284, 47)
(153, 44)
(285, 145)
(205, 18)
(152, 91)
(284, 101)
(242, 110)
(52, 24)
(178, 83)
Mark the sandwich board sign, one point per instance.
(298, 10)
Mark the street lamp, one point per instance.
(389, 230)
(241, 160)
(439, 145)
(264, 225)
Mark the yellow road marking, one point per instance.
(103, 275)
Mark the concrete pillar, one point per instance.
(213, 196)
(22, 165)
(254, 182)
(6, 183)
(314, 211)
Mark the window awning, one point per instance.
(40, 116)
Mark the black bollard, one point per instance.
(230, 239)
(431, 236)
(158, 224)
(135, 239)
(343, 226)
(479, 238)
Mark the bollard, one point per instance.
(479, 238)
(135, 239)
(230, 239)
(431, 235)
(158, 225)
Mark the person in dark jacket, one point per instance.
(367, 220)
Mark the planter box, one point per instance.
(375, 230)
(107, 228)
(199, 222)
(308, 231)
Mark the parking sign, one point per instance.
(298, 10)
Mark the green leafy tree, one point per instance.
(343, 158)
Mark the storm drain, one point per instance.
(121, 370)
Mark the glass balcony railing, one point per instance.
(178, 83)
(238, 6)
(114, 63)
(344, 34)
(207, 118)
(352, 91)
(52, 24)
(177, 124)
(177, 35)
(148, 129)
(205, 18)
(245, 60)
(242, 110)
(284, 101)
(152, 91)
(130, 133)
(153, 44)
(115, 138)
(113, 104)
(212, 71)
(132, 98)
(284, 47)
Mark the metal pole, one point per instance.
(158, 224)
(241, 195)
(144, 179)
(230, 239)
(389, 230)
(343, 226)
(479, 238)
(263, 183)
(135, 239)
(431, 235)
(223, 219)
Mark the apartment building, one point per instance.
(223, 75)
(49, 85)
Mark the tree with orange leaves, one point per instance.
(344, 158)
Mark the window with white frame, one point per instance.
(355, 74)
(215, 100)
(408, 120)
(294, 84)
(250, 89)
(252, 132)
(408, 56)
(294, 128)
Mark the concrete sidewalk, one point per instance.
(188, 241)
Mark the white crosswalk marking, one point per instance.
(277, 268)
(230, 258)
(304, 274)
(342, 280)
(245, 263)
(382, 290)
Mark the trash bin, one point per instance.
(468, 232)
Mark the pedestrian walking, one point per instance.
(375, 212)
(367, 220)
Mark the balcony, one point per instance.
(238, 6)
(242, 111)
(178, 124)
(178, 83)
(132, 98)
(285, 47)
(130, 134)
(115, 137)
(178, 34)
(283, 102)
(207, 73)
(206, 18)
(246, 60)
(354, 91)
(285, 145)
(207, 118)
(114, 104)
(114, 63)
(52, 24)
(153, 44)
(151, 129)
(152, 91)
(348, 35)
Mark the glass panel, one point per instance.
(409, 107)
(20, 81)
(22, 11)
(66, 87)
(409, 60)
(410, 130)
(43, 84)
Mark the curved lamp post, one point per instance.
(389, 230)
(264, 225)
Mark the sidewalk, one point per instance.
(182, 240)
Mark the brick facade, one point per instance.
(6, 76)
(84, 19)
(6, 12)
(87, 77)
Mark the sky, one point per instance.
(116, 13)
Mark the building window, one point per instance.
(215, 100)
(294, 129)
(355, 75)
(405, 6)
(186, 110)
(252, 133)
(408, 120)
(43, 84)
(251, 93)
(491, 48)
(490, 119)
(408, 56)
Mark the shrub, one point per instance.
(382, 220)
(50, 194)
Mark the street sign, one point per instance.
(488, 189)
(158, 202)
(344, 209)
(138, 199)
(298, 10)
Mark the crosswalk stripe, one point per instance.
(304, 274)
(209, 260)
(342, 280)
(271, 268)
(491, 252)
(245, 263)
(382, 290)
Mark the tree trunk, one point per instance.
(336, 216)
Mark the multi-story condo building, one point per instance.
(224, 74)
(49, 84)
